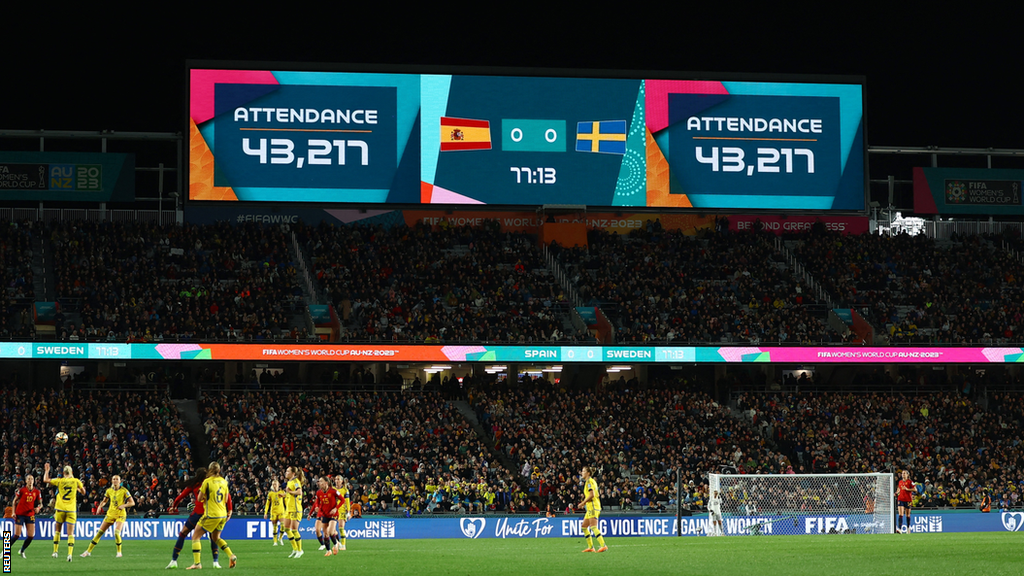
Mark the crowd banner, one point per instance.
(501, 526)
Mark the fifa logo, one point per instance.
(470, 528)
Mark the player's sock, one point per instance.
(224, 546)
(197, 549)
(277, 534)
(71, 541)
(56, 540)
(342, 537)
(298, 540)
(25, 544)
(597, 532)
(334, 539)
(215, 549)
(291, 540)
(320, 539)
(117, 540)
(590, 540)
(94, 542)
(16, 536)
(177, 548)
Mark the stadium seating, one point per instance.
(635, 437)
(955, 447)
(712, 288)
(136, 435)
(921, 290)
(451, 284)
(392, 447)
(142, 282)
(16, 277)
(121, 282)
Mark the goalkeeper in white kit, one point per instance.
(715, 515)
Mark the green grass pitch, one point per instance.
(902, 555)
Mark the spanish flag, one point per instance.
(465, 134)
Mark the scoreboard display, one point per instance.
(462, 139)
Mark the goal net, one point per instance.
(763, 504)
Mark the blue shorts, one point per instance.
(901, 504)
(193, 519)
(22, 520)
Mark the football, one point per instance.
(61, 438)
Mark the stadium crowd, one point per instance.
(144, 283)
(401, 451)
(128, 282)
(636, 435)
(922, 290)
(17, 279)
(414, 451)
(664, 285)
(956, 449)
(433, 284)
(136, 435)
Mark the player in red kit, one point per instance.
(326, 510)
(189, 487)
(904, 497)
(27, 503)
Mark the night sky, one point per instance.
(933, 78)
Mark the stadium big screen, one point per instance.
(263, 135)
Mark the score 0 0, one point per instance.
(730, 159)
(318, 152)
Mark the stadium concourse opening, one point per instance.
(724, 382)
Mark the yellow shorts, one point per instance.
(60, 516)
(111, 519)
(212, 524)
(294, 515)
(592, 514)
(275, 516)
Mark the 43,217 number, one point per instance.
(729, 159)
(318, 152)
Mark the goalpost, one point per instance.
(763, 504)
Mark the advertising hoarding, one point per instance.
(503, 353)
(67, 176)
(978, 191)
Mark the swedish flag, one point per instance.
(605, 137)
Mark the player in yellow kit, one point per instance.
(592, 502)
(344, 512)
(66, 508)
(120, 501)
(293, 507)
(275, 510)
(214, 495)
